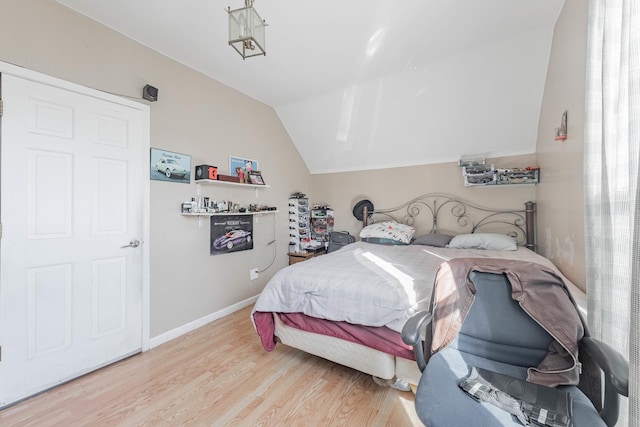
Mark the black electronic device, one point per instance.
(150, 93)
(206, 172)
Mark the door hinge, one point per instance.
(1, 107)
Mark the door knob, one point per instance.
(132, 244)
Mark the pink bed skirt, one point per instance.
(379, 338)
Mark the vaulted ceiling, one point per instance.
(369, 84)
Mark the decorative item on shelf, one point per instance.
(247, 31)
(528, 175)
(561, 132)
(242, 177)
(206, 172)
(228, 178)
(479, 175)
(471, 160)
(241, 168)
(255, 177)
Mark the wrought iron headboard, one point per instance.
(465, 216)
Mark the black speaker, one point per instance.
(150, 93)
(206, 172)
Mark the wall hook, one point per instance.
(561, 132)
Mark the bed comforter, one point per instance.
(363, 284)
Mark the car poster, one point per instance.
(169, 166)
(231, 233)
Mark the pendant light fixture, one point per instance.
(246, 31)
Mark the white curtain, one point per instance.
(612, 199)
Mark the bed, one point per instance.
(350, 305)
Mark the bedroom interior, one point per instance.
(374, 121)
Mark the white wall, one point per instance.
(485, 100)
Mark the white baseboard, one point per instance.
(184, 329)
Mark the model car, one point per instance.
(231, 239)
(170, 168)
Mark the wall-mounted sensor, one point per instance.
(150, 93)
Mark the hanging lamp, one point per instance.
(247, 31)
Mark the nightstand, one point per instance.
(295, 257)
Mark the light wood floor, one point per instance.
(218, 375)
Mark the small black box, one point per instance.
(206, 172)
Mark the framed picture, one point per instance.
(169, 166)
(231, 233)
(240, 166)
(255, 177)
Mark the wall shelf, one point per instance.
(228, 213)
(237, 184)
(200, 215)
(488, 176)
(234, 184)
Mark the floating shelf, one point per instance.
(237, 184)
(228, 213)
(209, 214)
(234, 184)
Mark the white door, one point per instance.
(71, 197)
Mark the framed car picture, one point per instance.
(169, 166)
(231, 233)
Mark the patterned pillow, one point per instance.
(389, 230)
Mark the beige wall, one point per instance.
(560, 194)
(194, 115)
(387, 188)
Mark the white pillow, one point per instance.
(488, 241)
(389, 230)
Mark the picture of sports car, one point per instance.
(170, 168)
(231, 239)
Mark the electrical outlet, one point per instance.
(253, 273)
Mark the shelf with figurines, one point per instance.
(476, 173)
(206, 174)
